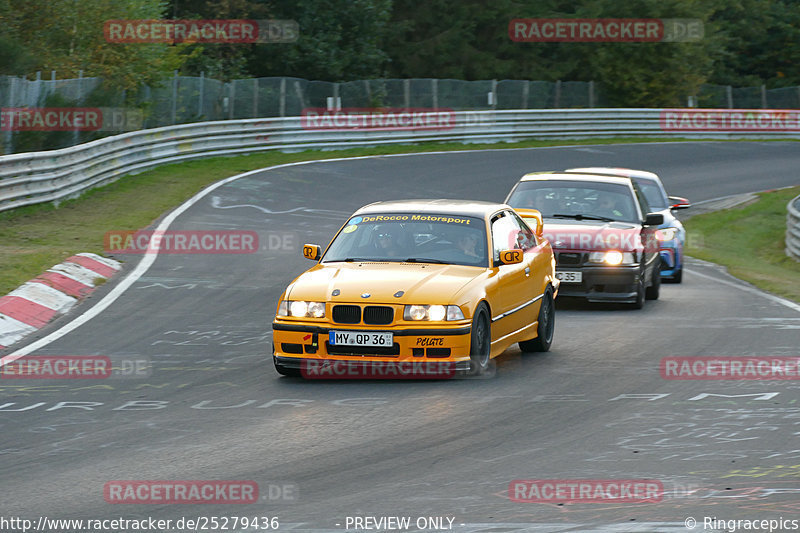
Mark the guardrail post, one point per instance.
(407, 93)
(255, 98)
(435, 92)
(763, 96)
(299, 91)
(729, 94)
(230, 99)
(175, 97)
(282, 110)
(200, 98)
(337, 102)
(793, 228)
(557, 97)
(8, 144)
(526, 89)
(76, 134)
(591, 94)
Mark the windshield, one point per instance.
(411, 237)
(576, 199)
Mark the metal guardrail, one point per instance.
(36, 177)
(793, 228)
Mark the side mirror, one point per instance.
(532, 217)
(677, 202)
(511, 257)
(312, 251)
(654, 219)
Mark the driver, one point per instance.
(386, 240)
(607, 207)
(467, 242)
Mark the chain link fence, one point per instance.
(725, 96)
(186, 99)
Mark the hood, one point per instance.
(591, 235)
(420, 283)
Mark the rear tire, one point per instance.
(678, 277)
(480, 342)
(546, 328)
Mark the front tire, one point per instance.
(546, 328)
(480, 341)
(639, 303)
(654, 289)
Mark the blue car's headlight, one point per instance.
(666, 234)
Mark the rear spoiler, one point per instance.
(533, 218)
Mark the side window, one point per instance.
(526, 239)
(508, 232)
(645, 207)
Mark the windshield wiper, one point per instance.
(581, 216)
(424, 260)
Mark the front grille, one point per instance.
(346, 314)
(376, 314)
(569, 259)
(388, 351)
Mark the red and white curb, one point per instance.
(38, 301)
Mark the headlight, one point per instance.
(612, 257)
(300, 308)
(666, 234)
(435, 313)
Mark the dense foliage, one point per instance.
(746, 43)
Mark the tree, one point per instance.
(67, 36)
(339, 40)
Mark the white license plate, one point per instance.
(360, 338)
(569, 276)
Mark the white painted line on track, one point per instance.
(149, 259)
(751, 290)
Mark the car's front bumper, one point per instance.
(296, 342)
(335, 368)
(671, 261)
(603, 283)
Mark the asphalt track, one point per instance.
(594, 407)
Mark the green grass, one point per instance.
(34, 238)
(750, 242)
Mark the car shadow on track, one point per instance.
(565, 303)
